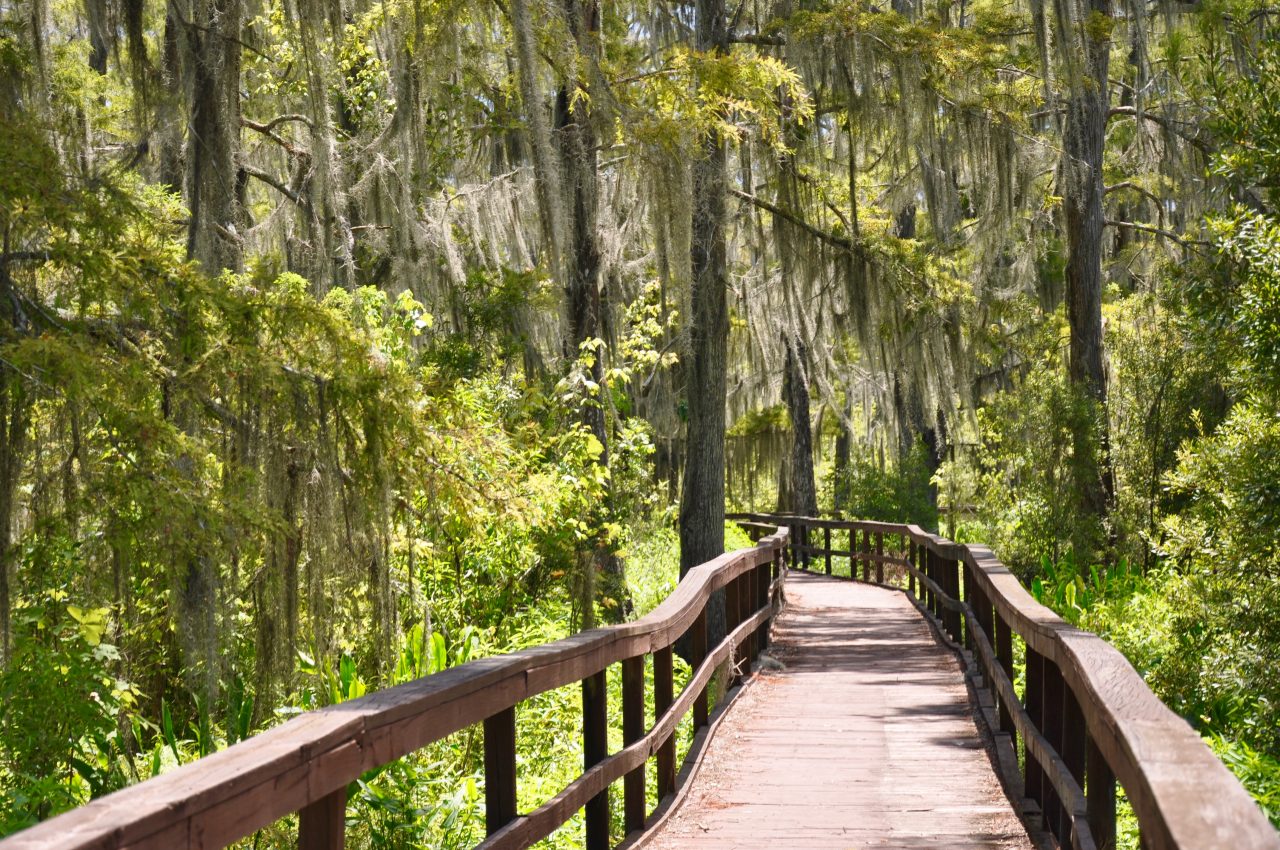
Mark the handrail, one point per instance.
(1087, 718)
(306, 764)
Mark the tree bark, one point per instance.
(702, 499)
(795, 390)
(15, 408)
(1084, 137)
(580, 175)
(214, 237)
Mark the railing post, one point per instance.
(499, 770)
(322, 825)
(1034, 700)
(1052, 728)
(808, 545)
(763, 600)
(732, 619)
(663, 697)
(826, 546)
(1074, 741)
(853, 559)
(879, 555)
(595, 749)
(698, 654)
(955, 622)
(865, 549)
(632, 731)
(911, 559)
(1100, 797)
(1004, 652)
(932, 574)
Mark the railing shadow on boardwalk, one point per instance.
(1084, 720)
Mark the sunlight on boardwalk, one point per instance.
(865, 740)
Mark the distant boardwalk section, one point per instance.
(865, 739)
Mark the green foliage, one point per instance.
(727, 95)
(900, 493)
(1257, 771)
(63, 711)
(1027, 495)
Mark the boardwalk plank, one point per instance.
(865, 740)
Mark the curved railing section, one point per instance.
(1085, 719)
(306, 765)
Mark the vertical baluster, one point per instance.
(697, 654)
(977, 599)
(595, 749)
(1100, 797)
(879, 555)
(864, 549)
(632, 731)
(322, 825)
(1052, 727)
(499, 770)
(1004, 652)
(763, 600)
(1074, 739)
(663, 697)
(826, 546)
(931, 568)
(1033, 698)
(926, 567)
(732, 619)
(911, 559)
(954, 616)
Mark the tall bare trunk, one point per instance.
(1084, 137)
(795, 390)
(214, 237)
(579, 144)
(702, 499)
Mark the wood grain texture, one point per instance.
(865, 739)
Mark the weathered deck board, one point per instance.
(865, 740)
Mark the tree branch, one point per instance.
(268, 130)
(787, 215)
(275, 184)
(778, 40)
(1160, 231)
(1170, 125)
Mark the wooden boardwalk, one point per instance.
(865, 739)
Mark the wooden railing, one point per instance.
(1085, 719)
(307, 764)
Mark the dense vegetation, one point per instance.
(341, 342)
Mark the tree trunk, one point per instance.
(214, 237)
(15, 407)
(13, 427)
(168, 123)
(579, 172)
(843, 457)
(795, 390)
(702, 499)
(96, 14)
(1084, 137)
